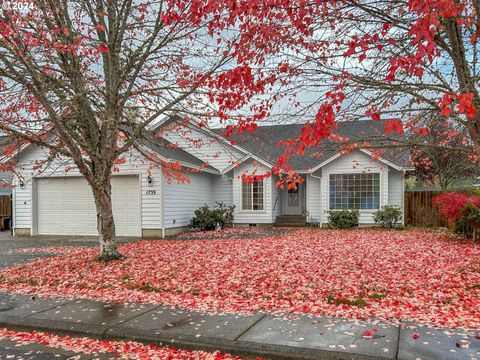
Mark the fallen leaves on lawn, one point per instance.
(365, 273)
(233, 233)
(121, 349)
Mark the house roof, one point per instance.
(171, 152)
(264, 143)
(3, 141)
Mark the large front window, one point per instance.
(252, 195)
(355, 191)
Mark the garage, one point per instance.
(66, 206)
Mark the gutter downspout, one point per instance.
(162, 202)
(321, 212)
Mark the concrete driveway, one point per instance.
(9, 245)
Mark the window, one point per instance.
(355, 191)
(252, 195)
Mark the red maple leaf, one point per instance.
(103, 48)
(393, 125)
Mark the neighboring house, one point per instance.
(148, 203)
(5, 177)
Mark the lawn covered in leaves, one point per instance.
(420, 275)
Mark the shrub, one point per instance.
(388, 216)
(227, 213)
(450, 205)
(343, 219)
(469, 221)
(207, 219)
(427, 216)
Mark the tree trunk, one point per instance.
(106, 224)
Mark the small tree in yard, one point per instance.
(440, 156)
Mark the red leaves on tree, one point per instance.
(5, 29)
(465, 105)
(423, 131)
(373, 113)
(393, 126)
(103, 48)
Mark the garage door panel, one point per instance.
(66, 206)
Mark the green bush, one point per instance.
(207, 219)
(469, 221)
(388, 216)
(227, 213)
(343, 219)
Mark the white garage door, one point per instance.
(66, 206)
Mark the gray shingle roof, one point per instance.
(4, 140)
(168, 150)
(264, 143)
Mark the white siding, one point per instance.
(216, 152)
(277, 199)
(356, 162)
(314, 196)
(396, 189)
(182, 199)
(223, 189)
(24, 205)
(247, 216)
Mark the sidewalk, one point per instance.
(276, 337)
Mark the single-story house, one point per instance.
(146, 202)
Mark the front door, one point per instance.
(294, 200)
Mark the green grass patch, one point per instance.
(377, 296)
(149, 288)
(332, 299)
(473, 287)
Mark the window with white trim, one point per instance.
(355, 191)
(252, 195)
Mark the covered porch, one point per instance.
(293, 209)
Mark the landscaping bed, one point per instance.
(234, 233)
(424, 276)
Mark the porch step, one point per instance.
(290, 221)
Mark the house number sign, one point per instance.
(151, 192)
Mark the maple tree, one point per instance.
(373, 60)
(86, 79)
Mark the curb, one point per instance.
(237, 348)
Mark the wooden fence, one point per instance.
(419, 210)
(5, 205)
